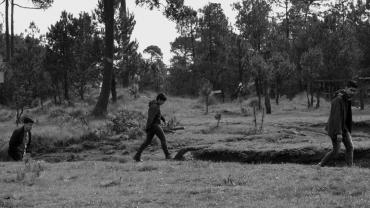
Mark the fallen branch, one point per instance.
(172, 130)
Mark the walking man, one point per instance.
(340, 123)
(20, 141)
(153, 127)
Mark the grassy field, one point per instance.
(185, 184)
(102, 174)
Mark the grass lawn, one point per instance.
(185, 184)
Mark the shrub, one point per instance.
(126, 120)
(173, 122)
(49, 144)
(253, 103)
(135, 133)
(43, 144)
(77, 113)
(57, 113)
(31, 171)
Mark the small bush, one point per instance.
(5, 115)
(212, 100)
(245, 111)
(32, 170)
(90, 136)
(197, 106)
(147, 168)
(49, 144)
(75, 118)
(43, 144)
(172, 122)
(126, 120)
(135, 133)
(253, 103)
(232, 181)
(77, 113)
(35, 103)
(57, 113)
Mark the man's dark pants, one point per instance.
(154, 130)
(347, 141)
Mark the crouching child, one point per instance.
(20, 141)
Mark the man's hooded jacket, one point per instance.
(340, 118)
(154, 115)
(15, 141)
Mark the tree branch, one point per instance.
(2, 2)
(25, 7)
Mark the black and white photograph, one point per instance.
(184, 103)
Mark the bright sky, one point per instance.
(152, 27)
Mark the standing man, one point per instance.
(340, 123)
(153, 128)
(20, 141)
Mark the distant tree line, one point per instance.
(72, 57)
(280, 53)
(276, 53)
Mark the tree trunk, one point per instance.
(123, 17)
(207, 100)
(318, 98)
(312, 95)
(362, 95)
(123, 7)
(102, 104)
(277, 93)
(7, 52)
(287, 19)
(267, 98)
(193, 43)
(308, 96)
(257, 85)
(240, 61)
(12, 29)
(55, 92)
(59, 94)
(114, 90)
(55, 99)
(2, 100)
(66, 91)
(82, 92)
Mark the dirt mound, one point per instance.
(306, 155)
(357, 126)
(303, 155)
(363, 126)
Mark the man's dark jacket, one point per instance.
(154, 115)
(340, 118)
(15, 140)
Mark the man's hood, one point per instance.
(342, 93)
